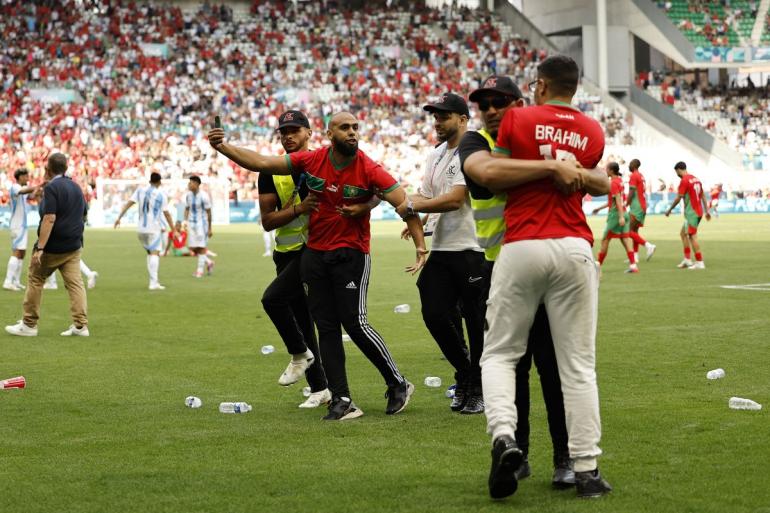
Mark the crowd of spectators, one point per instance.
(710, 22)
(147, 79)
(738, 114)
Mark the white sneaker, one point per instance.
(296, 369)
(156, 286)
(650, 250)
(316, 399)
(72, 331)
(22, 330)
(685, 263)
(11, 286)
(20, 285)
(46, 286)
(698, 265)
(198, 274)
(92, 280)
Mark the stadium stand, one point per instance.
(707, 23)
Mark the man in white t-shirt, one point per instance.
(19, 193)
(153, 204)
(197, 213)
(453, 273)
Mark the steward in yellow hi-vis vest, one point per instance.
(291, 236)
(285, 204)
(488, 215)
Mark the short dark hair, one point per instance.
(57, 163)
(196, 179)
(614, 167)
(562, 73)
(154, 177)
(680, 165)
(634, 164)
(20, 172)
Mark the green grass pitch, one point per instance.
(102, 426)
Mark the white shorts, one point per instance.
(197, 238)
(152, 241)
(19, 240)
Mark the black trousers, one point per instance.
(284, 302)
(337, 282)
(449, 278)
(540, 349)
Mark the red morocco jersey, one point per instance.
(692, 190)
(637, 181)
(337, 186)
(538, 210)
(616, 187)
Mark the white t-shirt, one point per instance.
(18, 208)
(198, 204)
(152, 202)
(455, 231)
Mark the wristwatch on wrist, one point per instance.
(410, 211)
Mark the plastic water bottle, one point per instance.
(306, 391)
(239, 407)
(450, 392)
(267, 349)
(193, 402)
(432, 382)
(346, 337)
(739, 403)
(402, 309)
(715, 374)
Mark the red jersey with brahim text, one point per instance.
(538, 210)
(337, 186)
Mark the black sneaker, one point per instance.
(461, 395)
(506, 459)
(398, 397)
(474, 405)
(342, 408)
(563, 475)
(591, 484)
(524, 470)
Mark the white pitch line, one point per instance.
(751, 286)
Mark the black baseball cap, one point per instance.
(449, 102)
(293, 118)
(497, 84)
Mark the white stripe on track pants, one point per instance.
(561, 274)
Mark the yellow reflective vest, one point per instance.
(488, 216)
(293, 235)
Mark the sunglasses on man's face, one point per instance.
(498, 102)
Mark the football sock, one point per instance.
(153, 263)
(51, 281)
(687, 253)
(638, 239)
(698, 257)
(201, 263)
(85, 270)
(631, 258)
(10, 273)
(602, 256)
(19, 269)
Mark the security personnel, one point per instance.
(284, 205)
(454, 270)
(497, 95)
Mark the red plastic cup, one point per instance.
(17, 382)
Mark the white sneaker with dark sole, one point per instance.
(73, 331)
(316, 399)
(21, 330)
(296, 369)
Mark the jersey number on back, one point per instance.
(546, 151)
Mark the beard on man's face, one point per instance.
(346, 148)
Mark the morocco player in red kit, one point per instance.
(546, 259)
(695, 204)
